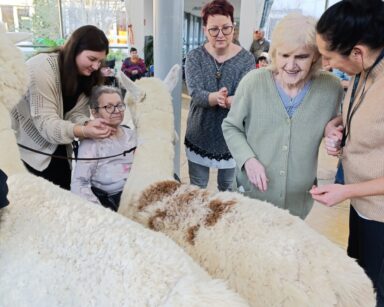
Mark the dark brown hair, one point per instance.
(84, 38)
(217, 7)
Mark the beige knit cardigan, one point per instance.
(363, 154)
(38, 119)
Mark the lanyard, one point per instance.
(351, 112)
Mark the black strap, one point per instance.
(351, 101)
(82, 159)
(351, 112)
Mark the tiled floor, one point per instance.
(331, 222)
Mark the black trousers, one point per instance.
(111, 201)
(58, 170)
(366, 245)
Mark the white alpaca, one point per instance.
(267, 255)
(57, 249)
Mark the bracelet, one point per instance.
(83, 131)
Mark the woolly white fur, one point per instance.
(57, 249)
(267, 255)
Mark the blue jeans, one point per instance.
(339, 177)
(199, 175)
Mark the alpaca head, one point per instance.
(149, 93)
(150, 104)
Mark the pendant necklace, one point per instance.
(218, 69)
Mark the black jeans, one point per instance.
(110, 201)
(366, 245)
(58, 170)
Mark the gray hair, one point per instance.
(97, 91)
(295, 30)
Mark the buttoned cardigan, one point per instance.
(258, 126)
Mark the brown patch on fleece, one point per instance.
(188, 196)
(191, 234)
(157, 192)
(218, 208)
(153, 220)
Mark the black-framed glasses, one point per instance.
(110, 108)
(226, 30)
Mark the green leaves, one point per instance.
(48, 42)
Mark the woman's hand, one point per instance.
(333, 133)
(222, 95)
(228, 102)
(330, 194)
(94, 129)
(256, 174)
(98, 129)
(333, 140)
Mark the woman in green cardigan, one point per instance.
(274, 129)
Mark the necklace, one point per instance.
(218, 69)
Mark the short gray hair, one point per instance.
(295, 30)
(97, 91)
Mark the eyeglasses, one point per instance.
(110, 108)
(226, 30)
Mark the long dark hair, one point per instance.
(351, 22)
(84, 38)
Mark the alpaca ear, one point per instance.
(134, 91)
(172, 77)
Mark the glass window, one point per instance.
(7, 17)
(24, 19)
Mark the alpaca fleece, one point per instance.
(57, 249)
(267, 255)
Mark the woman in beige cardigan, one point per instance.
(55, 109)
(357, 48)
(276, 124)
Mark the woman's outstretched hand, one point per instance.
(330, 194)
(97, 128)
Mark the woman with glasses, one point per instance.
(357, 48)
(213, 72)
(55, 108)
(275, 128)
(101, 179)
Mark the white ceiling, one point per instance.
(195, 6)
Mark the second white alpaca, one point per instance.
(267, 255)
